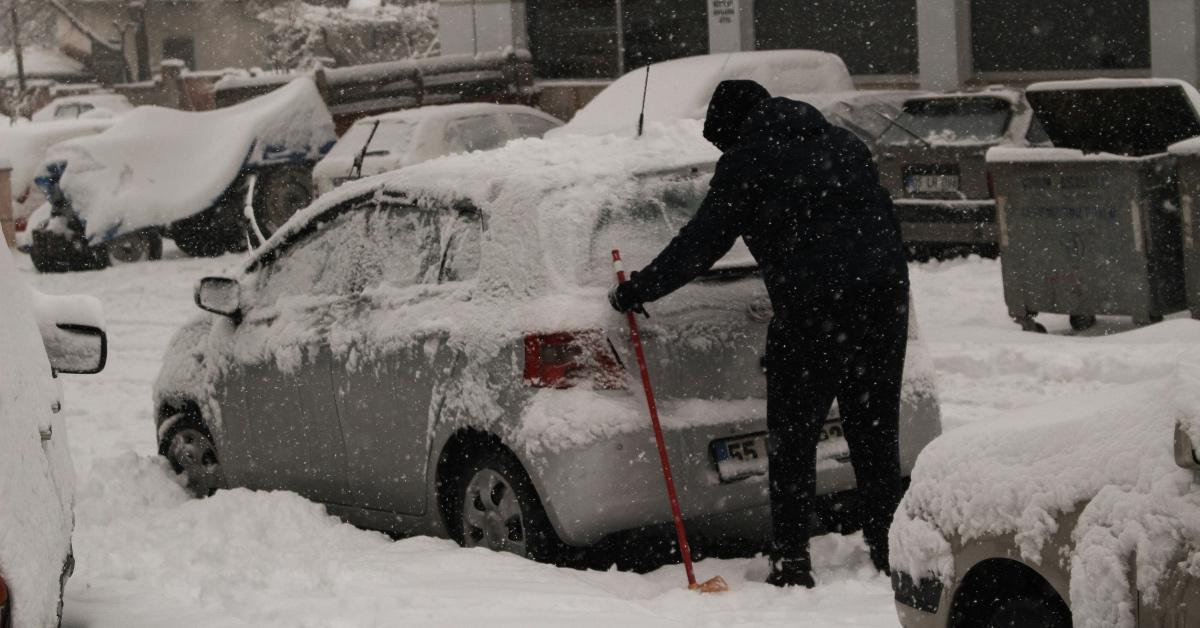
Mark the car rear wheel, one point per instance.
(139, 246)
(1082, 322)
(192, 454)
(1021, 611)
(499, 509)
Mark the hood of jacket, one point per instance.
(743, 112)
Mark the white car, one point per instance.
(394, 140)
(36, 478)
(86, 106)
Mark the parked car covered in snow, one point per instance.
(209, 180)
(25, 146)
(931, 158)
(431, 351)
(41, 337)
(84, 105)
(394, 140)
(1084, 511)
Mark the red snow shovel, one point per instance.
(717, 583)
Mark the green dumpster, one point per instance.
(1092, 226)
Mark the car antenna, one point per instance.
(356, 169)
(642, 113)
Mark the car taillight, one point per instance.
(991, 183)
(561, 360)
(21, 224)
(5, 615)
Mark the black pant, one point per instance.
(848, 343)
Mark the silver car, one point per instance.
(422, 361)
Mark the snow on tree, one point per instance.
(366, 31)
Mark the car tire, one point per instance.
(279, 193)
(497, 507)
(1023, 610)
(192, 454)
(140, 246)
(1082, 322)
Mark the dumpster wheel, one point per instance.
(1082, 322)
(1028, 324)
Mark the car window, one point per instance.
(463, 250)
(474, 133)
(323, 262)
(641, 227)
(530, 126)
(392, 137)
(73, 110)
(970, 120)
(403, 246)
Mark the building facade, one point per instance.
(934, 44)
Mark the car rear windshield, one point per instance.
(641, 227)
(393, 137)
(950, 121)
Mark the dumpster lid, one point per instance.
(1120, 116)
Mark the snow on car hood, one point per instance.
(157, 165)
(1108, 456)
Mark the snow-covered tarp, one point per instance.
(25, 146)
(156, 165)
(1107, 456)
(681, 88)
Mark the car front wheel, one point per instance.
(193, 456)
(139, 246)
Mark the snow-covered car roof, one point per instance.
(441, 112)
(116, 103)
(545, 193)
(158, 165)
(1107, 456)
(681, 88)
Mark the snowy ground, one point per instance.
(148, 556)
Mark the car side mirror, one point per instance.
(219, 295)
(76, 349)
(1185, 449)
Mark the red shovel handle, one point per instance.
(684, 549)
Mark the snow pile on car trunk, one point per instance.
(681, 88)
(1107, 457)
(36, 480)
(157, 165)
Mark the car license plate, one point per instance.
(745, 456)
(931, 183)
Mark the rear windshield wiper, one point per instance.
(895, 122)
(356, 169)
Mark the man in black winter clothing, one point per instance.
(805, 197)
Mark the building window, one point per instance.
(871, 36)
(180, 48)
(1059, 35)
(579, 39)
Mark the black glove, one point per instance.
(623, 298)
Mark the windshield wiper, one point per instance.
(896, 123)
(356, 169)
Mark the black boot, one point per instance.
(791, 573)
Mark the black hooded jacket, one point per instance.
(803, 194)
